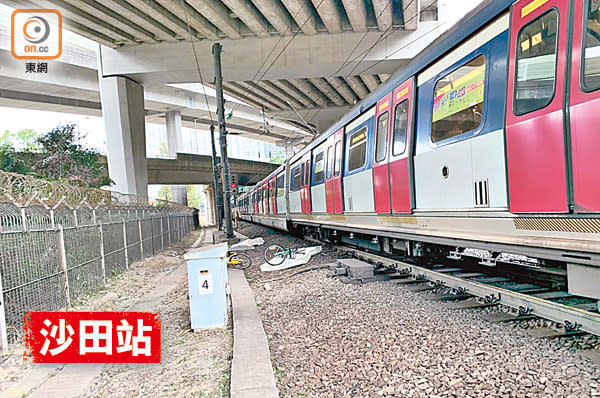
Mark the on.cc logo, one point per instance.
(36, 34)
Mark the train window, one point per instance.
(381, 137)
(400, 128)
(458, 101)
(591, 52)
(296, 178)
(536, 63)
(329, 161)
(338, 158)
(319, 167)
(358, 149)
(280, 185)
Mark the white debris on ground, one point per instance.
(193, 364)
(329, 339)
(301, 257)
(248, 243)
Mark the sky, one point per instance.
(15, 119)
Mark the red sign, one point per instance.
(97, 337)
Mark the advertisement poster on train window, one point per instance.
(459, 94)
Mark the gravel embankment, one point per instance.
(329, 339)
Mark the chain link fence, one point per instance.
(58, 242)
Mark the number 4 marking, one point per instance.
(205, 283)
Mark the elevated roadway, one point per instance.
(188, 169)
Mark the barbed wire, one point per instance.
(23, 191)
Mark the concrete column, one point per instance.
(124, 123)
(174, 137)
(210, 205)
(289, 150)
(179, 194)
(174, 145)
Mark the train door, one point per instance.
(535, 134)
(259, 193)
(333, 180)
(265, 197)
(400, 147)
(391, 164)
(381, 169)
(273, 195)
(329, 148)
(305, 188)
(584, 105)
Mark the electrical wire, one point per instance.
(254, 79)
(384, 35)
(189, 29)
(364, 53)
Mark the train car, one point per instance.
(485, 146)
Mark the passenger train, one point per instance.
(488, 140)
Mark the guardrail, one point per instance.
(58, 242)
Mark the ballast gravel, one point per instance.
(329, 339)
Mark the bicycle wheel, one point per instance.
(242, 261)
(274, 255)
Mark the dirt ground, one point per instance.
(329, 339)
(193, 364)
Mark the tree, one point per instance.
(65, 159)
(25, 140)
(10, 161)
(164, 193)
(195, 197)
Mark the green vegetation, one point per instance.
(279, 159)
(195, 197)
(57, 155)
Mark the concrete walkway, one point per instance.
(251, 372)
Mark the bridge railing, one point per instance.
(58, 242)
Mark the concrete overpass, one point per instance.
(189, 169)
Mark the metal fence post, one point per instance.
(125, 244)
(162, 236)
(141, 238)
(102, 261)
(3, 332)
(24, 219)
(102, 256)
(63, 262)
(169, 229)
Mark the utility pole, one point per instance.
(218, 192)
(216, 50)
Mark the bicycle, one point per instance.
(239, 260)
(275, 254)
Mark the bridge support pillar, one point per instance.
(210, 205)
(124, 122)
(174, 136)
(175, 145)
(179, 194)
(289, 150)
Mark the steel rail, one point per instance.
(583, 320)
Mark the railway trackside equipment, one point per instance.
(207, 281)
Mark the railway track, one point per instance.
(529, 300)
